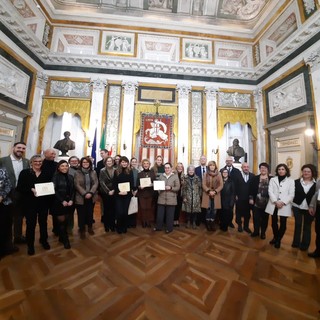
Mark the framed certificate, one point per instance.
(124, 186)
(44, 189)
(159, 185)
(145, 182)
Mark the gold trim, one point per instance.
(244, 116)
(284, 75)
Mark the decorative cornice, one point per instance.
(183, 91)
(211, 93)
(42, 80)
(98, 85)
(11, 20)
(129, 87)
(313, 60)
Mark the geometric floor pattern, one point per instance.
(188, 274)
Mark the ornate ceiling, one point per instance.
(207, 16)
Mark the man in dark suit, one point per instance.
(243, 206)
(14, 164)
(234, 175)
(200, 171)
(104, 153)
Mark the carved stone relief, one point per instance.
(69, 89)
(113, 117)
(196, 130)
(234, 99)
(14, 83)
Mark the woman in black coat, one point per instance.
(227, 200)
(36, 208)
(63, 202)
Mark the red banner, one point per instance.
(156, 131)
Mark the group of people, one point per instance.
(204, 193)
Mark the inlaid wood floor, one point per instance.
(188, 274)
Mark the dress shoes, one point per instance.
(67, 245)
(277, 244)
(231, 225)
(168, 231)
(20, 240)
(156, 229)
(295, 245)
(45, 245)
(273, 241)
(254, 234)
(240, 229)
(31, 251)
(246, 229)
(263, 236)
(314, 254)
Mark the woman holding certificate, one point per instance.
(86, 184)
(146, 194)
(35, 186)
(123, 186)
(62, 206)
(168, 186)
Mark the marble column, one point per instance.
(97, 101)
(212, 141)
(259, 154)
(33, 132)
(126, 141)
(183, 124)
(313, 61)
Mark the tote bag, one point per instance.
(133, 206)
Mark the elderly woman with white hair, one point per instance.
(191, 192)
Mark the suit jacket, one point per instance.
(6, 163)
(235, 174)
(198, 171)
(243, 188)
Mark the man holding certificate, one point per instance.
(123, 186)
(168, 186)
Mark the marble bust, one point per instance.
(236, 151)
(64, 145)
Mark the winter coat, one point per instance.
(80, 186)
(283, 191)
(169, 197)
(191, 192)
(211, 183)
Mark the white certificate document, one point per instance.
(124, 186)
(145, 182)
(159, 185)
(44, 189)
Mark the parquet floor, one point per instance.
(188, 274)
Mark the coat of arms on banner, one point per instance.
(156, 130)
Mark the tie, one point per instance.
(203, 171)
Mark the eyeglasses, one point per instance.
(167, 167)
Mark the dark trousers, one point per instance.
(165, 211)
(122, 206)
(226, 216)
(109, 214)
(243, 210)
(177, 209)
(278, 231)
(85, 214)
(40, 214)
(17, 214)
(302, 224)
(260, 221)
(5, 228)
(317, 228)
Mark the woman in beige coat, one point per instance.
(167, 199)
(212, 185)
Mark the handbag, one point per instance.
(133, 206)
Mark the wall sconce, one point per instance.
(89, 144)
(215, 151)
(124, 146)
(310, 133)
(183, 148)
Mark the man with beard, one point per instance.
(14, 164)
